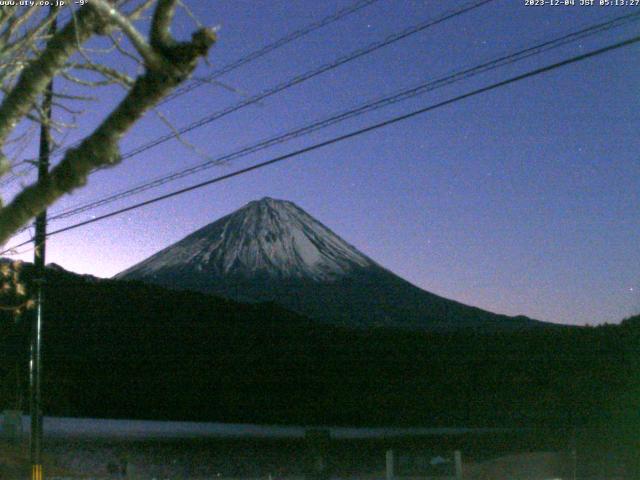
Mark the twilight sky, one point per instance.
(523, 200)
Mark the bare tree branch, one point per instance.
(35, 77)
(117, 43)
(110, 74)
(173, 63)
(150, 56)
(161, 24)
(140, 9)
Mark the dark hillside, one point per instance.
(126, 349)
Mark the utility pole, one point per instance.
(35, 363)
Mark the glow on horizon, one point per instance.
(519, 201)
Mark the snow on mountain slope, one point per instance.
(272, 250)
(265, 238)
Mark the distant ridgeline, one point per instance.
(130, 350)
(272, 250)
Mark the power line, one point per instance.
(252, 56)
(395, 37)
(449, 14)
(269, 48)
(309, 75)
(360, 110)
(347, 136)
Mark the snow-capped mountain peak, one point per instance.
(265, 238)
(273, 251)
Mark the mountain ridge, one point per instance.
(267, 236)
(272, 250)
(180, 355)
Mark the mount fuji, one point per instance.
(272, 250)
